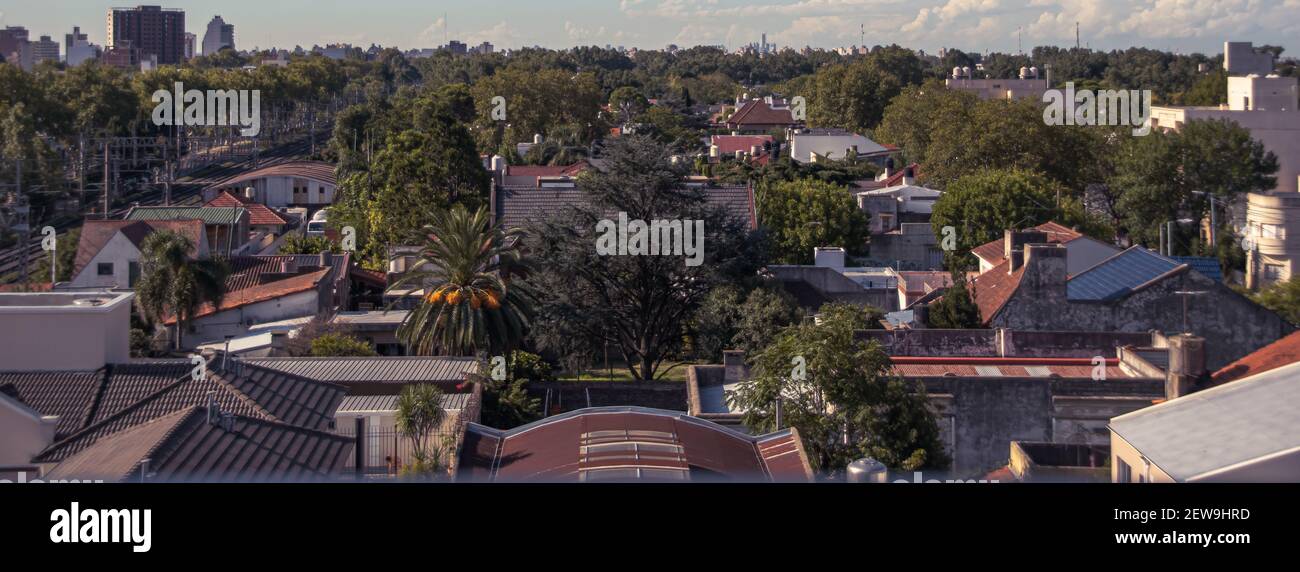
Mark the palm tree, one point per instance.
(172, 285)
(419, 415)
(468, 306)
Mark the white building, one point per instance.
(108, 254)
(298, 183)
(219, 35)
(1241, 431)
(811, 145)
(1267, 107)
(56, 331)
(887, 208)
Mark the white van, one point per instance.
(316, 226)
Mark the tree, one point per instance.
(853, 96)
(420, 415)
(469, 306)
(336, 344)
(172, 284)
(628, 102)
(1168, 176)
(804, 214)
(731, 319)
(506, 402)
(1283, 298)
(839, 393)
(637, 304)
(956, 310)
(980, 206)
(307, 244)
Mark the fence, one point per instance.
(384, 449)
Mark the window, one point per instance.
(105, 269)
(1123, 472)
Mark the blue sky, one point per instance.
(972, 25)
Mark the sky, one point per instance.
(971, 25)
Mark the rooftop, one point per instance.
(1283, 352)
(315, 170)
(910, 366)
(209, 215)
(1120, 275)
(1194, 437)
(629, 444)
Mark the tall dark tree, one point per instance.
(638, 304)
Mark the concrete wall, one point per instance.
(45, 332)
(235, 322)
(914, 247)
(980, 417)
(1234, 325)
(120, 252)
(25, 432)
(1003, 342)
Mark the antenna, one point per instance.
(1076, 35)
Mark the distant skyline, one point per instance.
(969, 25)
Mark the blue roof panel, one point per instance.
(1205, 265)
(1118, 275)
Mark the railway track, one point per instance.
(185, 192)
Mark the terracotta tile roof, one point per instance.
(262, 293)
(992, 252)
(69, 395)
(243, 389)
(922, 281)
(729, 144)
(758, 112)
(897, 178)
(247, 271)
(186, 446)
(95, 234)
(629, 443)
(1285, 351)
(991, 290)
(315, 170)
(258, 213)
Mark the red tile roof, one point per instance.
(262, 293)
(758, 112)
(729, 144)
(597, 444)
(258, 213)
(993, 252)
(991, 290)
(1285, 351)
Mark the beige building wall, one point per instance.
(1139, 470)
(51, 332)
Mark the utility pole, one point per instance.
(106, 178)
(1076, 35)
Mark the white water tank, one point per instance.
(867, 470)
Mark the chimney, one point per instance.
(734, 363)
(909, 176)
(1045, 271)
(324, 259)
(1013, 242)
(1186, 365)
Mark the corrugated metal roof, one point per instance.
(209, 215)
(373, 369)
(388, 403)
(1205, 265)
(1220, 427)
(1118, 275)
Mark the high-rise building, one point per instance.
(219, 35)
(70, 40)
(13, 40)
(150, 31)
(190, 40)
(45, 50)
